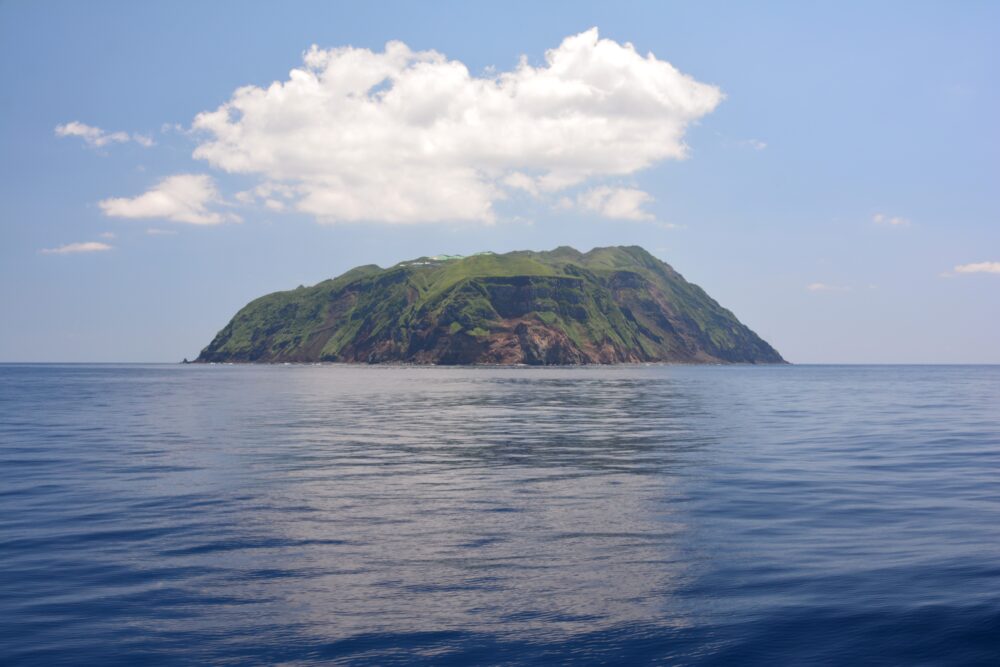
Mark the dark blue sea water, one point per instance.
(678, 515)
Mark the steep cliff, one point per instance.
(610, 305)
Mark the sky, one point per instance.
(827, 171)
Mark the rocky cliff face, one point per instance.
(611, 305)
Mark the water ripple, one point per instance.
(344, 514)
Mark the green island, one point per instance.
(610, 305)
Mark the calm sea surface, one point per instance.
(679, 515)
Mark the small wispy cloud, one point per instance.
(890, 220)
(107, 235)
(180, 198)
(755, 144)
(156, 231)
(95, 137)
(270, 194)
(825, 287)
(978, 267)
(617, 203)
(73, 248)
(669, 225)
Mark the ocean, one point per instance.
(713, 515)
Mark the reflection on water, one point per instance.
(486, 501)
(386, 514)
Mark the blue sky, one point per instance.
(828, 172)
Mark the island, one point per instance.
(608, 306)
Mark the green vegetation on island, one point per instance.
(610, 305)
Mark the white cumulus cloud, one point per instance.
(71, 248)
(181, 198)
(95, 137)
(978, 267)
(620, 203)
(403, 136)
